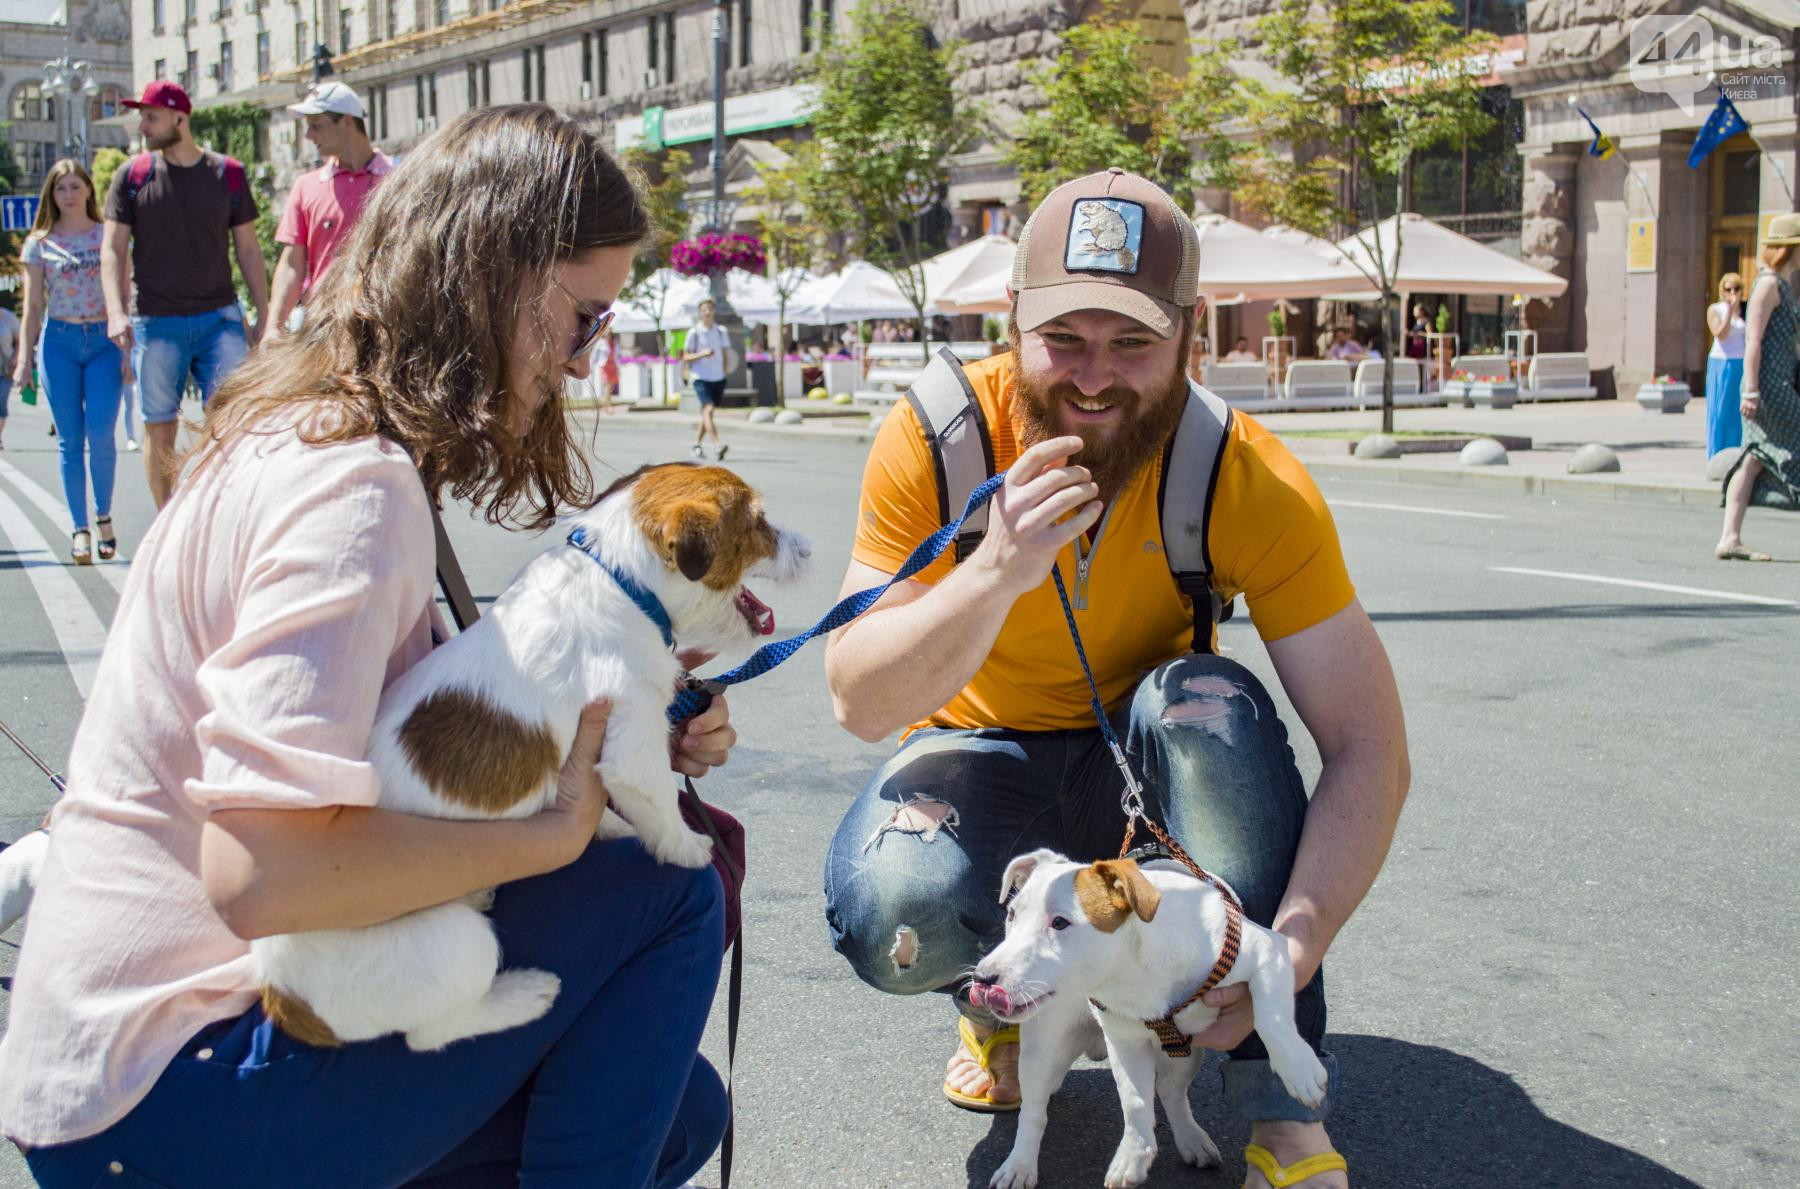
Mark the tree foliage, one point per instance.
(106, 163)
(10, 267)
(1359, 87)
(1105, 104)
(888, 119)
(794, 244)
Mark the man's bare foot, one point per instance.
(1289, 1141)
(965, 1075)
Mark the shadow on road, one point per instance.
(1591, 611)
(1409, 1116)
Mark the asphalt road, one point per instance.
(1577, 969)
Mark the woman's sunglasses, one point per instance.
(584, 342)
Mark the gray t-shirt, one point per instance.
(713, 366)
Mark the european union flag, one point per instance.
(1603, 146)
(1723, 124)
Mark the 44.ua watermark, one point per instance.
(1681, 56)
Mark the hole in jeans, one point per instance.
(922, 817)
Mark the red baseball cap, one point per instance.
(162, 93)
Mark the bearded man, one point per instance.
(973, 659)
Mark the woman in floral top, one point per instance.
(83, 371)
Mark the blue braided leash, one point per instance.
(1133, 797)
(700, 690)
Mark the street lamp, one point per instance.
(723, 314)
(66, 78)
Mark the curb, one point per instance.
(1560, 486)
(863, 432)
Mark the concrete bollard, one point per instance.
(1483, 452)
(788, 417)
(1594, 458)
(1378, 445)
(761, 416)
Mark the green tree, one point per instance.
(661, 179)
(239, 130)
(1359, 87)
(791, 241)
(10, 172)
(888, 120)
(106, 163)
(1105, 104)
(11, 269)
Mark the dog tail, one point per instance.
(19, 865)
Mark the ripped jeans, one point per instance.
(912, 879)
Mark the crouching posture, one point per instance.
(1159, 505)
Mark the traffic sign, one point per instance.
(18, 212)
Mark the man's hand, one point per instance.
(1236, 1018)
(1026, 519)
(118, 329)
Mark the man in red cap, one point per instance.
(179, 210)
(1096, 424)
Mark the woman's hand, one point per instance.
(580, 797)
(1748, 406)
(22, 370)
(706, 741)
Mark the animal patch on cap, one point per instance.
(1105, 235)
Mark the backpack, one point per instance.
(950, 416)
(142, 168)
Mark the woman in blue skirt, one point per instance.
(1725, 367)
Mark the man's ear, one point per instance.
(1020, 869)
(1112, 890)
(691, 539)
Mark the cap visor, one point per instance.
(137, 103)
(1039, 305)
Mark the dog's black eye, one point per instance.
(1059, 923)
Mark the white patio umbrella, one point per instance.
(979, 260)
(985, 294)
(1435, 259)
(678, 293)
(1239, 263)
(855, 293)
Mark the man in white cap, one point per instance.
(324, 204)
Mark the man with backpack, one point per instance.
(179, 209)
(1158, 504)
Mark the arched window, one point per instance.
(105, 105)
(30, 103)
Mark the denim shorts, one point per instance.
(170, 349)
(5, 391)
(709, 391)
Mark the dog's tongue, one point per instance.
(758, 614)
(991, 997)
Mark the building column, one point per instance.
(1781, 148)
(1664, 310)
(1547, 237)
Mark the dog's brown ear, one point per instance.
(1112, 890)
(691, 540)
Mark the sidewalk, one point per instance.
(1662, 457)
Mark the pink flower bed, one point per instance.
(709, 255)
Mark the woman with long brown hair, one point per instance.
(84, 372)
(1768, 472)
(218, 790)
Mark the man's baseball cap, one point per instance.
(329, 99)
(163, 93)
(1108, 241)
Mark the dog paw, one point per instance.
(1016, 1173)
(685, 848)
(1301, 1073)
(1196, 1147)
(1130, 1164)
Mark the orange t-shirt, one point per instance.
(1270, 537)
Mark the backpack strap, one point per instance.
(950, 418)
(1190, 475)
(137, 174)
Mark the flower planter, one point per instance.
(1491, 394)
(1664, 396)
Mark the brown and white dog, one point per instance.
(1139, 940)
(481, 727)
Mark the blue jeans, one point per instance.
(605, 1089)
(82, 382)
(167, 349)
(1219, 775)
(5, 391)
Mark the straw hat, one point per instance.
(1783, 229)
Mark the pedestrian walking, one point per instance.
(9, 348)
(1725, 367)
(181, 211)
(219, 789)
(606, 351)
(1768, 472)
(83, 369)
(324, 203)
(707, 352)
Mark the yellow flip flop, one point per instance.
(981, 1050)
(1281, 1177)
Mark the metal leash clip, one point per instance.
(1132, 800)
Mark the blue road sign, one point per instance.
(18, 212)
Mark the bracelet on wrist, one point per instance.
(1751, 395)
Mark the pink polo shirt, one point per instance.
(273, 599)
(322, 207)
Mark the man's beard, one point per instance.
(1146, 421)
(164, 141)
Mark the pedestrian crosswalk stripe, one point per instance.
(79, 632)
(1337, 503)
(1732, 596)
(114, 572)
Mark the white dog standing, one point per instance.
(1139, 941)
(481, 727)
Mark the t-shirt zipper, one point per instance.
(1085, 557)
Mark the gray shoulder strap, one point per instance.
(951, 420)
(1189, 477)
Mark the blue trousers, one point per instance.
(1203, 736)
(82, 381)
(604, 1090)
(1724, 389)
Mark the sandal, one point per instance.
(1739, 553)
(81, 547)
(982, 1051)
(1281, 1177)
(107, 547)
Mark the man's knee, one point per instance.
(1207, 702)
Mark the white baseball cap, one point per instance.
(329, 98)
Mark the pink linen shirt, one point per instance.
(273, 600)
(323, 206)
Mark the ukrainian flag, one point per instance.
(1603, 146)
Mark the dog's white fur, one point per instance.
(1138, 971)
(562, 635)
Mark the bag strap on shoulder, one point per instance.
(950, 417)
(1189, 477)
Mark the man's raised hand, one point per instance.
(1043, 505)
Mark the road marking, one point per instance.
(1729, 595)
(79, 631)
(1337, 503)
(115, 572)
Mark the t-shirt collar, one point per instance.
(378, 166)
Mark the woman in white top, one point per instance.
(1725, 366)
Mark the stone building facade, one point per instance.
(43, 127)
